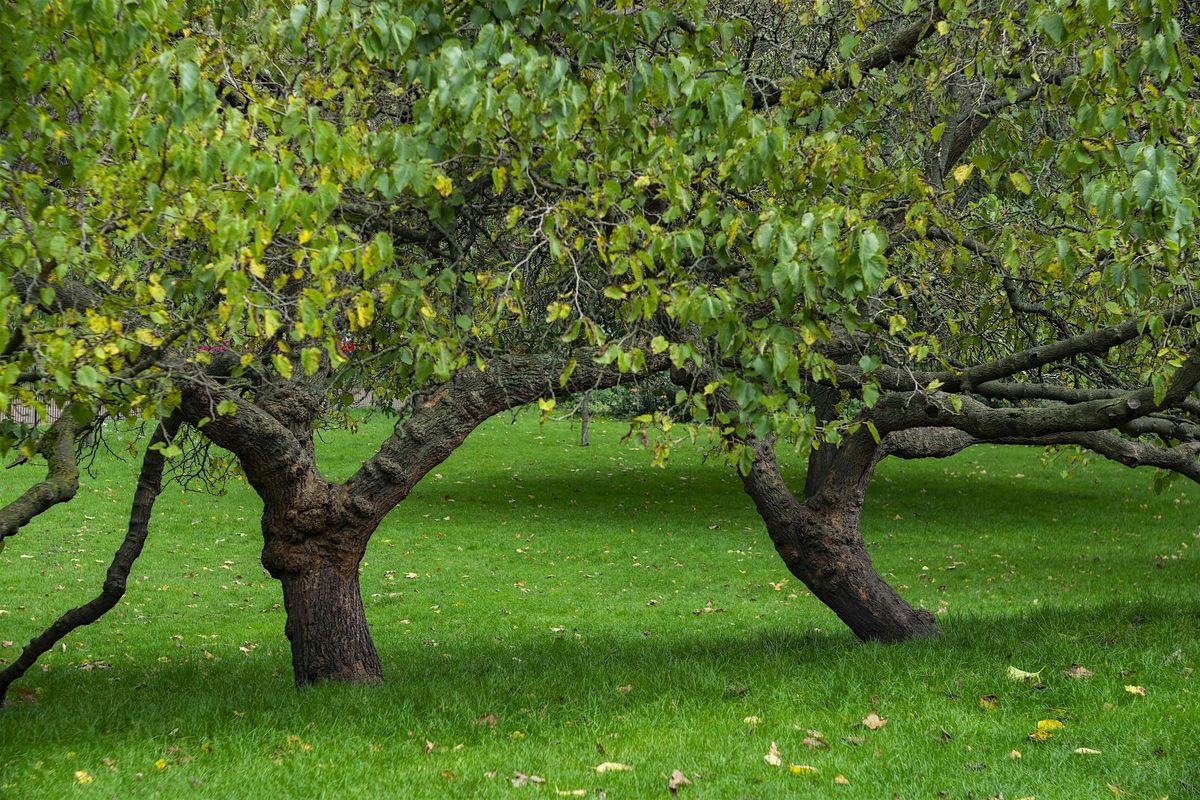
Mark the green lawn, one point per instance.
(541, 609)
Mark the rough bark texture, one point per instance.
(821, 544)
(820, 461)
(313, 542)
(326, 624)
(148, 487)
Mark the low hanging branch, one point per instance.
(57, 446)
(148, 487)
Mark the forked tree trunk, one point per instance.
(821, 543)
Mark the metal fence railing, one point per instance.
(28, 415)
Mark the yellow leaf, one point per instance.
(612, 766)
(1021, 675)
(1140, 691)
(1048, 725)
(802, 769)
(443, 185)
(1085, 751)
(1014, 755)
(1040, 736)
(772, 756)
(943, 27)
(160, 764)
(570, 792)
(83, 777)
(304, 236)
(841, 780)
(748, 720)
(962, 172)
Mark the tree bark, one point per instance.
(327, 627)
(585, 419)
(313, 548)
(821, 543)
(820, 461)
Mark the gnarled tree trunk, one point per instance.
(313, 547)
(821, 543)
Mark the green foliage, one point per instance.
(394, 191)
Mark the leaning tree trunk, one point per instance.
(821, 543)
(313, 544)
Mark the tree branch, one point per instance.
(148, 487)
(57, 446)
(442, 421)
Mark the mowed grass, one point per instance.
(542, 609)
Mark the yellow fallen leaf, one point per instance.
(752, 720)
(83, 777)
(612, 766)
(1021, 675)
(772, 756)
(1049, 725)
(802, 769)
(160, 764)
(1014, 755)
(841, 780)
(1040, 736)
(570, 792)
(873, 721)
(962, 172)
(1140, 691)
(1085, 751)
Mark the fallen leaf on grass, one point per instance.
(1014, 755)
(1021, 675)
(487, 719)
(815, 740)
(873, 721)
(1117, 790)
(428, 746)
(1044, 728)
(612, 766)
(519, 779)
(988, 702)
(1085, 751)
(1078, 672)
(772, 756)
(1140, 691)
(802, 769)
(751, 721)
(676, 780)
(841, 780)
(83, 777)
(570, 792)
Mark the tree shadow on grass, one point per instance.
(585, 679)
